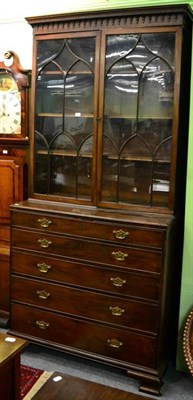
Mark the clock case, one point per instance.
(14, 162)
(21, 77)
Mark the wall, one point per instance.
(16, 35)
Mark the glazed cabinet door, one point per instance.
(139, 129)
(116, 130)
(66, 117)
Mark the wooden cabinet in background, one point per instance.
(96, 248)
(13, 188)
(14, 143)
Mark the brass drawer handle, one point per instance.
(42, 294)
(44, 268)
(44, 243)
(117, 311)
(118, 282)
(44, 222)
(42, 324)
(120, 234)
(119, 255)
(114, 343)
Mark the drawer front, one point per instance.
(140, 259)
(126, 234)
(84, 337)
(115, 281)
(86, 304)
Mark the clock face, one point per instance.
(10, 106)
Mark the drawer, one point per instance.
(122, 233)
(95, 306)
(117, 281)
(95, 252)
(85, 338)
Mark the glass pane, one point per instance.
(79, 128)
(110, 179)
(84, 177)
(41, 174)
(48, 51)
(66, 52)
(156, 90)
(63, 179)
(48, 126)
(41, 165)
(79, 92)
(121, 86)
(116, 132)
(161, 44)
(154, 132)
(83, 49)
(161, 174)
(119, 47)
(50, 92)
(138, 109)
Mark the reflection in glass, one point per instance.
(121, 83)
(156, 90)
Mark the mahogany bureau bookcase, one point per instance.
(96, 249)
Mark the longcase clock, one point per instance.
(14, 140)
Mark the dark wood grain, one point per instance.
(10, 367)
(13, 184)
(72, 388)
(13, 172)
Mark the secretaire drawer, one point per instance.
(126, 234)
(86, 304)
(85, 250)
(81, 336)
(120, 282)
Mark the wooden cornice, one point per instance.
(124, 18)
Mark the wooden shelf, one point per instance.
(86, 115)
(156, 117)
(58, 152)
(69, 73)
(63, 153)
(137, 158)
(60, 115)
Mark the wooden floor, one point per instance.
(65, 387)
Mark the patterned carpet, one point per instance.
(32, 380)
